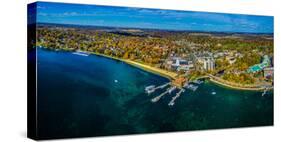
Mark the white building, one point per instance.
(206, 63)
(209, 64)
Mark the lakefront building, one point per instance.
(179, 64)
(205, 63)
(209, 64)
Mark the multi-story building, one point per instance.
(179, 64)
(209, 64)
(205, 63)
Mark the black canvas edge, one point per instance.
(31, 72)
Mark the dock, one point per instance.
(172, 89)
(169, 90)
(198, 81)
(149, 89)
(264, 92)
(172, 102)
(180, 83)
(152, 88)
(162, 86)
(190, 86)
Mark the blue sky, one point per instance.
(151, 18)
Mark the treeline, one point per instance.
(153, 48)
(148, 50)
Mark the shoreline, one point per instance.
(171, 75)
(237, 87)
(154, 70)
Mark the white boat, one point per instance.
(191, 87)
(214, 93)
(150, 89)
(81, 53)
(171, 103)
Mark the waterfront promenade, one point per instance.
(250, 87)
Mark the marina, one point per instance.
(152, 88)
(187, 85)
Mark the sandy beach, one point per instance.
(158, 71)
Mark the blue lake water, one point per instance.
(95, 96)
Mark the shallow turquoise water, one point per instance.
(78, 96)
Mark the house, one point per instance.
(268, 72)
(231, 59)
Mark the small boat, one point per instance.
(81, 53)
(171, 103)
(116, 81)
(214, 93)
(150, 89)
(191, 87)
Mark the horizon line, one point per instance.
(159, 29)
